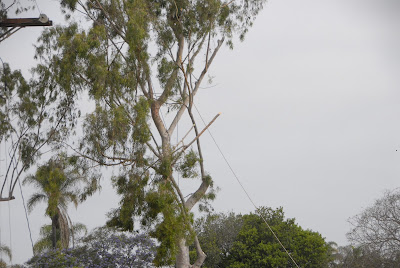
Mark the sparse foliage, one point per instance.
(377, 228)
(5, 250)
(33, 116)
(361, 257)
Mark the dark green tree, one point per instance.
(255, 245)
(217, 233)
(138, 59)
(59, 182)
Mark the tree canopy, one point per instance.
(246, 241)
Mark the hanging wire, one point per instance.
(247, 194)
(23, 201)
(40, 12)
(26, 214)
(9, 227)
(177, 140)
(162, 118)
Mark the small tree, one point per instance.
(59, 183)
(377, 228)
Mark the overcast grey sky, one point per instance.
(310, 116)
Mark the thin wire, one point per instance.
(247, 194)
(162, 118)
(40, 12)
(26, 214)
(177, 140)
(23, 202)
(9, 227)
(1, 216)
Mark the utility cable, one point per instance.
(23, 202)
(177, 141)
(40, 12)
(26, 215)
(244, 190)
(9, 227)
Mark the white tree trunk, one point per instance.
(182, 259)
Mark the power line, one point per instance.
(244, 190)
(40, 12)
(26, 214)
(9, 227)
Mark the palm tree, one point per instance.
(45, 241)
(7, 251)
(61, 181)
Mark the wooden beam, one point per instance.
(24, 22)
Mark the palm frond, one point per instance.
(6, 250)
(42, 245)
(33, 180)
(35, 199)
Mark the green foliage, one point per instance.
(231, 240)
(256, 246)
(189, 165)
(216, 234)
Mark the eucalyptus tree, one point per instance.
(137, 59)
(34, 115)
(59, 182)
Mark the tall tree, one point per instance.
(138, 59)
(59, 183)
